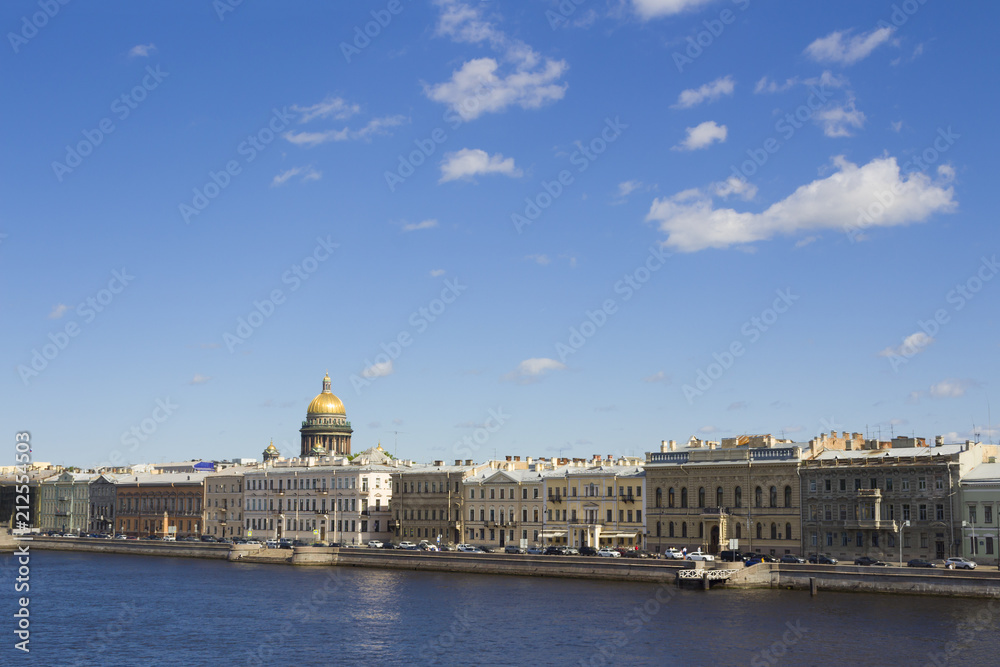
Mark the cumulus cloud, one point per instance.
(911, 345)
(840, 47)
(469, 162)
(692, 222)
(308, 174)
(58, 311)
(331, 107)
(734, 186)
(416, 226)
(481, 85)
(826, 80)
(141, 50)
(951, 388)
(652, 9)
(766, 85)
(375, 126)
(530, 370)
(702, 136)
(625, 188)
(839, 120)
(709, 92)
(377, 370)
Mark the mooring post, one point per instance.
(705, 582)
(813, 588)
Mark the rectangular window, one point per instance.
(524, 494)
(906, 512)
(939, 512)
(609, 517)
(638, 516)
(988, 514)
(843, 512)
(829, 539)
(828, 485)
(827, 513)
(843, 484)
(844, 539)
(629, 516)
(888, 484)
(813, 539)
(923, 540)
(972, 514)
(989, 546)
(922, 483)
(857, 484)
(872, 483)
(812, 485)
(621, 515)
(906, 484)
(939, 484)
(860, 539)
(923, 513)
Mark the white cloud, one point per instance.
(465, 23)
(951, 388)
(707, 93)
(802, 243)
(625, 188)
(58, 311)
(308, 174)
(530, 370)
(838, 121)
(692, 222)
(825, 80)
(424, 224)
(141, 50)
(911, 345)
(437, 273)
(470, 162)
(541, 260)
(199, 379)
(766, 85)
(331, 107)
(651, 9)
(738, 405)
(896, 125)
(840, 47)
(377, 370)
(702, 136)
(374, 127)
(734, 185)
(658, 376)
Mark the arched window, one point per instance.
(701, 530)
(657, 528)
(788, 496)
(788, 531)
(670, 497)
(659, 497)
(760, 531)
(738, 501)
(758, 497)
(773, 496)
(774, 532)
(684, 497)
(701, 496)
(684, 529)
(670, 529)
(718, 497)
(739, 531)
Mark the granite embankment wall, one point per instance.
(853, 578)
(134, 547)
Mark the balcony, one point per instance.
(628, 498)
(868, 524)
(556, 498)
(714, 511)
(870, 494)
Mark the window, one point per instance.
(738, 497)
(760, 531)
(739, 531)
(906, 484)
(758, 497)
(659, 498)
(922, 483)
(988, 514)
(843, 484)
(609, 517)
(972, 513)
(989, 546)
(493, 494)
(638, 516)
(701, 530)
(774, 531)
(888, 483)
(773, 496)
(872, 483)
(718, 497)
(670, 497)
(788, 496)
(812, 486)
(828, 485)
(670, 529)
(923, 513)
(939, 484)
(701, 496)
(788, 531)
(684, 530)
(472, 494)
(939, 513)
(857, 486)
(658, 529)
(684, 497)
(524, 494)
(860, 539)
(906, 512)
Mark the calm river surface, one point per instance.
(94, 609)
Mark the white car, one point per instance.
(698, 555)
(271, 544)
(608, 553)
(673, 553)
(374, 544)
(467, 548)
(958, 563)
(407, 545)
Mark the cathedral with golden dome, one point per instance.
(326, 431)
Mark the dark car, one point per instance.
(511, 549)
(791, 558)
(751, 561)
(731, 556)
(487, 550)
(918, 562)
(207, 538)
(298, 543)
(638, 553)
(761, 558)
(867, 560)
(588, 551)
(389, 545)
(822, 559)
(554, 551)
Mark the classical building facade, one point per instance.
(326, 431)
(160, 504)
(703, 495)
(103, 494)
(597, 503)
(224, 503)
(65, 505)
(888, 502)
(427, 501)
(980, 507)
(328, 499)
(504, 505)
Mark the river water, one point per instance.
(91, 609)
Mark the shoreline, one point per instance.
(979, 583)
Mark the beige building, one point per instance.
(504, 503)
(427, 501)
(224, 503)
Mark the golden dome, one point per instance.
(326, 403)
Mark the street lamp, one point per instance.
(905, 524)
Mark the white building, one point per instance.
(65, 505)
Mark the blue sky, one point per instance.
(589, 230)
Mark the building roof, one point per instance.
(161, 479)
(983, 473)
(889, 454)
(590, 471)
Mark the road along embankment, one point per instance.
(133, 547)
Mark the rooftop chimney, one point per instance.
(458, 462)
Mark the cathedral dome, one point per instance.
(326, 403)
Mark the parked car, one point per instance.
(554, 551)
(467, 548)
(959, 563)
(608, 553)
(791, 558)
(919, 562)
(822, 559)
(389, 545)
(425, 546)
(511, 549)
(409, 546)
(638, 553)
(588, 551)
(754, 560)
(271, 544)
(731, 556)
(868, 560)
(571, 551)
(763, 558)
(486, 549)
(536, 551)
(208, 538)
(190, 538)
(674, 554)
(698, 555)
(295, 543)
(121, 537)
(446, 547)
(374, 544)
